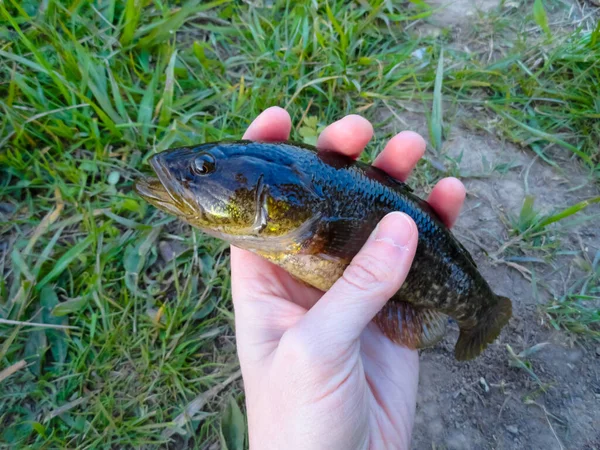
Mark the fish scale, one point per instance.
(316, 209)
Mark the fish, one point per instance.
(310, 211)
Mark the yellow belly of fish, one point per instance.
(314, 270)
(400, 321)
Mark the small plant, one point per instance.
(310, 130)
(233, 427)
(531, 225)
(540, 17)
(522, 362)
(578, 311)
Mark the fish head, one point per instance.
(234, 191)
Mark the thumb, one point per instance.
(374, 275)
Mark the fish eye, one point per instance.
(204, 164)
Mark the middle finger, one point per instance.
(401, 154)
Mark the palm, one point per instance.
(392, 396)
(362, 395)
(277, 299)
(283, 301)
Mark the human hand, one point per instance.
(320, 375)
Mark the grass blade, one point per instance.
(540, 17)
(145, 110)
(64, 261)
(233, 427)
(131, 17)
(167, 98)
(436, 124)
(340, 31)
(548, 137)
(568, 211)
(162, 30)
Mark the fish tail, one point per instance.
(471, 342)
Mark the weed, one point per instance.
(578, 310)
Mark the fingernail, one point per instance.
(397, 229)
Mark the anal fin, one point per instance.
(411, 326)
(471, 342)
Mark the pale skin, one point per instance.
(317, 373)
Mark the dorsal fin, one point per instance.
(465, 251)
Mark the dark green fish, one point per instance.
(310, 212)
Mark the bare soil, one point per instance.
(514, 412)
(489, 403)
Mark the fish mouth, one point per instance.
(163, 192)
(152, 190)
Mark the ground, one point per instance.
(116, 326)
(489, 403)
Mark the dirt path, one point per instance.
(488, 403)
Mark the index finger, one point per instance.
(273, 124)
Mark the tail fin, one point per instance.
(473, 341)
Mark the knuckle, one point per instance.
(301, 360)
(368, 273)
(295, 347)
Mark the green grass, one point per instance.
(533, 231)
(132, 308)
(557, 105)
(578, 311)
(546, 96)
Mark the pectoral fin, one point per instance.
(410, 326)
(342, 238)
